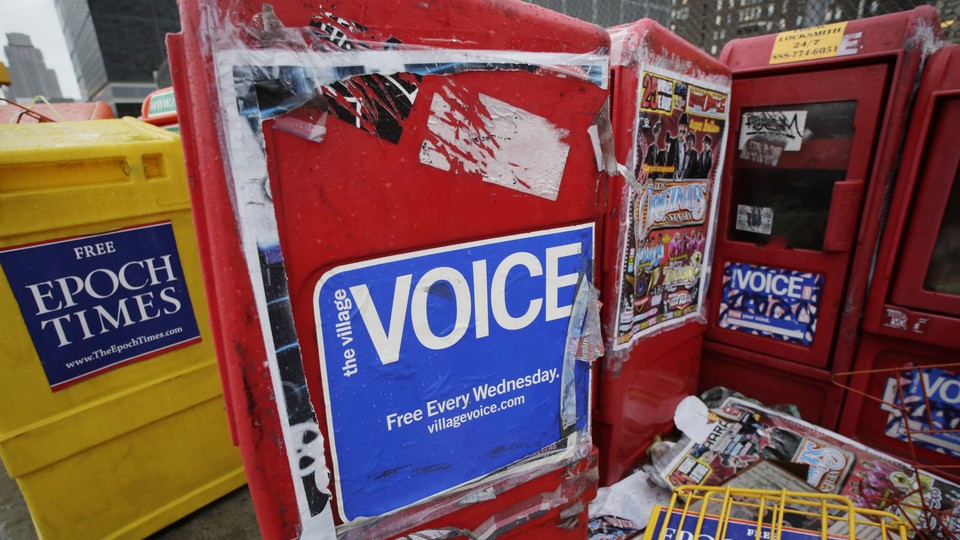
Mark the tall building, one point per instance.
(710, 24)
(116, 45)
(30, 75)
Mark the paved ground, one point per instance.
(230, 518)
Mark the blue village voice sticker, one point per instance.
(97, 302)
(444, 365)
(780, 304)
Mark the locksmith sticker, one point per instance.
(824, 41)
(445, 365)
(771, 302)
(97, 302)
(754, 219)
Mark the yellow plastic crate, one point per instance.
(134, 445)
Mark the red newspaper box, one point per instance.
(669, 115)
(912, 318)
(817, 120)
(399, 205)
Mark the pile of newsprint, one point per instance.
(743, 445)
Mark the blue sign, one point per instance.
(445, 365)
(96, 302)
(782, 304)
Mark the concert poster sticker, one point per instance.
(679, 129)
(770, 302)
(444, 365)
(93, 303)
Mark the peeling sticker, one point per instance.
(308, 128)
(343, 35)
(502, 143)
(754, 219)
(375, 103)
(436, 534)
(601, 135)
(761, 152)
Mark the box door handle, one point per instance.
(844, 215)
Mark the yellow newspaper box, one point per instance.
(112, 419)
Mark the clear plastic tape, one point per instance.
(580, 447)
(567, 496)
(584, 345)
(635, 47)
(622, 42)
(265, 70)
(601, 135)
(330, 42)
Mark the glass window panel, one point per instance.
(943, 274)
(790, 203)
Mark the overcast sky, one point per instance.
(38, 19)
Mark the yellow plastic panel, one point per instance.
(135, 485)
(131, 449)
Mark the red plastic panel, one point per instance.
(642, 381)
(866, 420)
(814, 203)
(766, 379)
(880, 35)
(637, 404)
(905, 323)
(354, 191)
(894, 47)
(555, 506)
(924, 270)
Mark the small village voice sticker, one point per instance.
(445, 365)
(97, 302)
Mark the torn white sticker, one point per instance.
(755, 219)
(692, 417)
(506, 145)
(781, 128)
(767, 153)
